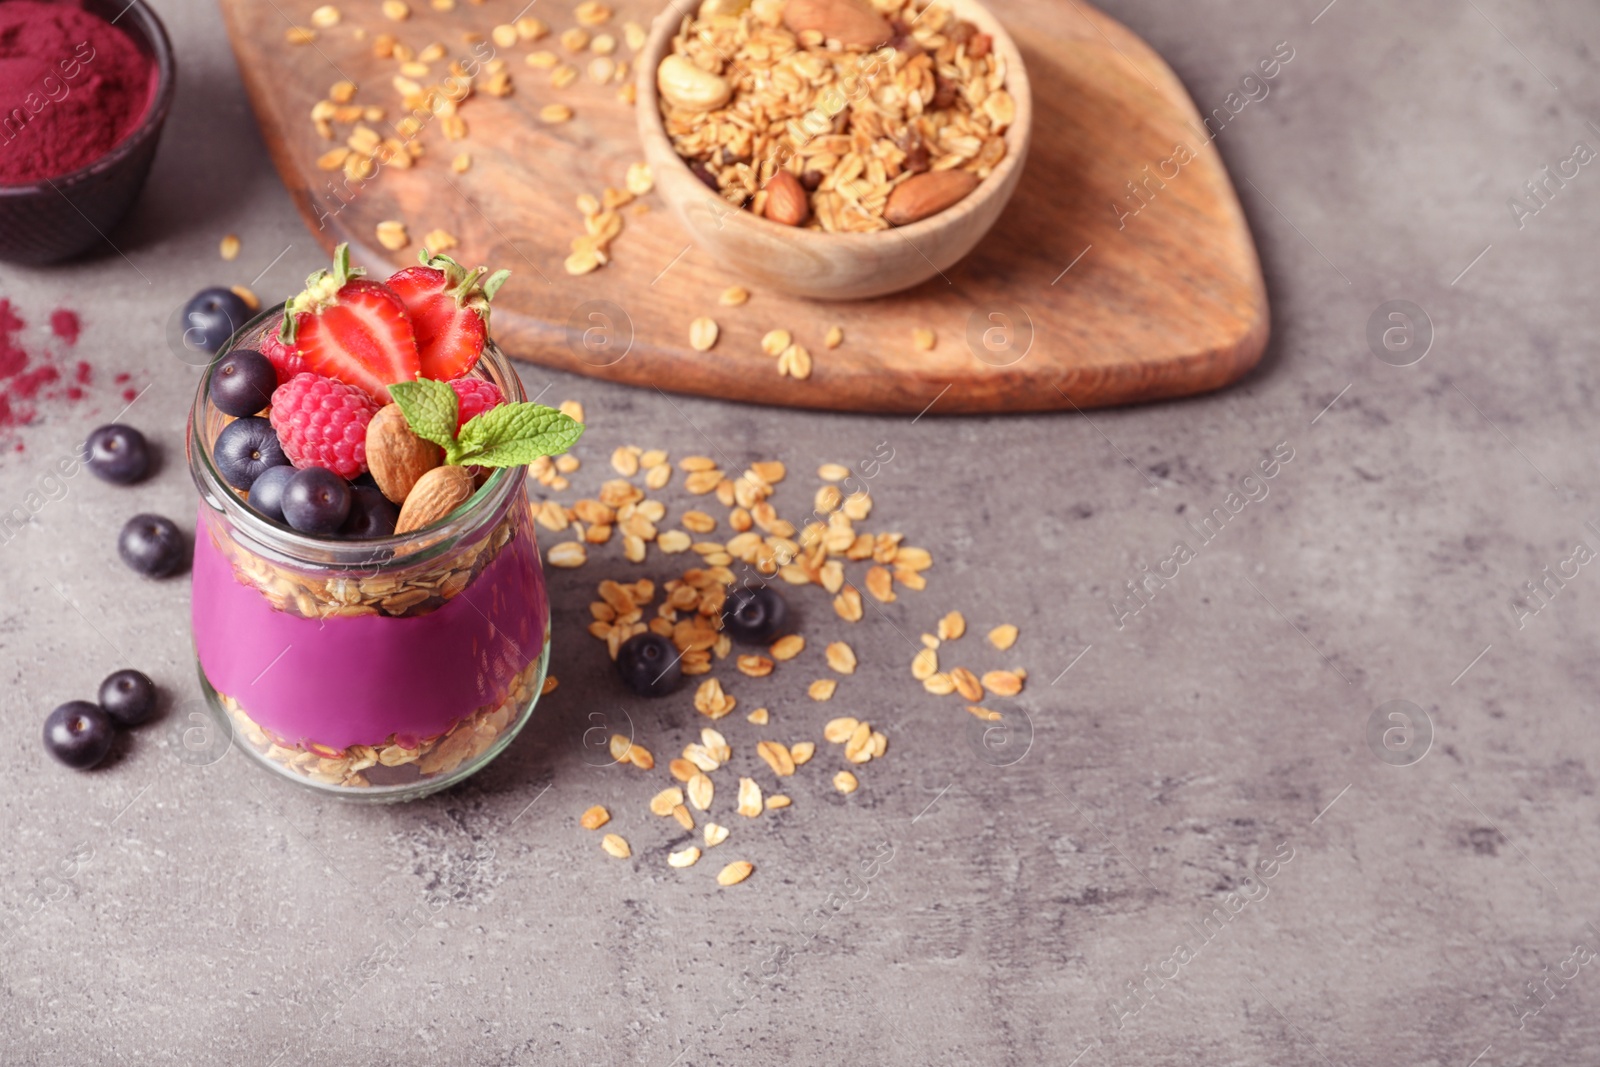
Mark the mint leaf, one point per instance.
(430, 410)
(513, 435)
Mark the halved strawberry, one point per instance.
(449, 308)
(352, 329)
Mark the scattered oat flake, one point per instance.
(923, 338)
(966, 683)
(952, 626)
(461, 164)
(1003, 683)
(701, 790)
(325, 17)
(594, 818)
(245, 293)
(439, 241)
(802, 751)
(639, 180)
(839, 730)
(733, 296)
(986, 714)
(229, 247)
(774, 342)
(795, 362)
(555, 113)
(703, 333)
(616, 846)
(300, 35)
(841, 657)
(749, 798)
(778, 800)
(683, 857)
(845, 782)
(776, 755)
(834, 338)
(572, 409)
(663, 802)
(625, 462)
(1003, 637)
(880, 584)
(833, 472)
(392, 235)
(591, 13)
(568, 554)
(788, 647)
(822, 689)
(715, 834)
(735, 872)
(397, 10)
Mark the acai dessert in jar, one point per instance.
(370, 615)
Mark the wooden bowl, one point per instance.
(814, 263)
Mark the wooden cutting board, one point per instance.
(1083, 295)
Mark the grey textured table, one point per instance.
(1201, 776)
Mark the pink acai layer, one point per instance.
(345, 681)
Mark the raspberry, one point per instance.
(285, 358)
(474, 396)
(323, 423)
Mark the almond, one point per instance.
(850, 22)
(922, 195)
(786, 200)
(436, 494)
(397, 457)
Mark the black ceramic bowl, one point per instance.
(60, 217)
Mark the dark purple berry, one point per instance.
(266, 492)
(79, 734)
(245, 448)
(128, 696)
(242, 382)
(117, 454)
(649, 664)
(152, 546)
(754, 616)
(316, 501)
(211, 317)
(371, 514)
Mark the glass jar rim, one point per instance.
(290, 545)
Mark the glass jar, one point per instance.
(381, 669)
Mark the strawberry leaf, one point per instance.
(513, 435)
(430, 409)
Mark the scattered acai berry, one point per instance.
(151, 545)
(242, 382)
(371, 514)
(283, 356)
(266, 492)
(118, 454)
(316, 501)
(245, 449)
(753, 616)
(79, 734)
(211, 317)
(648, 663)
(474, 396)
(323, 423)
(128, 696)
